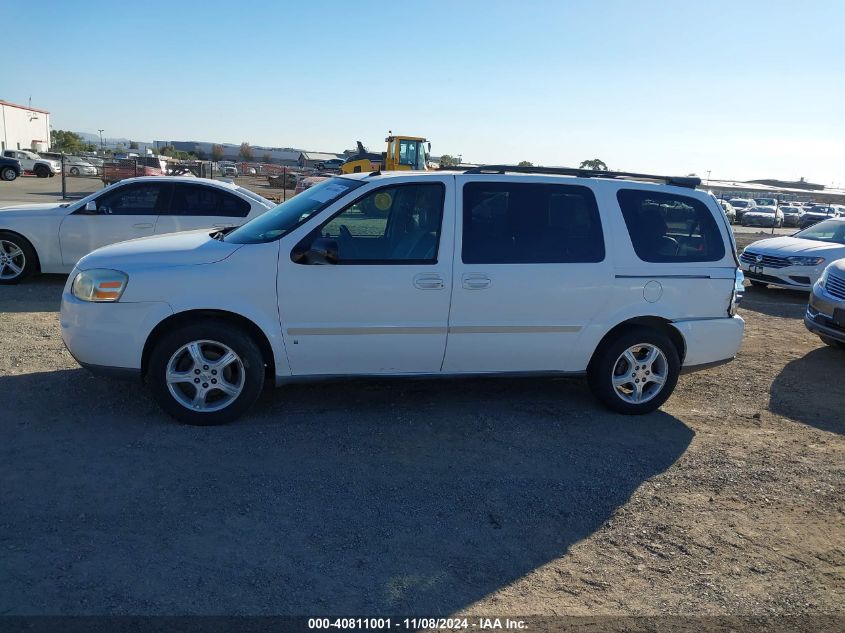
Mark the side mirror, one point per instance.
(91, 207)
(324, 250)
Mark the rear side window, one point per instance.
(527, 223)
(665, 227)
(200, 200)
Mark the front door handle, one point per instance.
(475, 281)
(428, 281)
(142, 225)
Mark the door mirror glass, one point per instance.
(324, 250)
(91, 207)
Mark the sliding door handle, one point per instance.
(428, 281)
(475, 281)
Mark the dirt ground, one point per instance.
(428, 497)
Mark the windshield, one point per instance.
(288, 215)
(823, 210)
(766, 202)
(764, 210)
(832, 231)
(739, 203)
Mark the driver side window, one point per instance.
(140, 199)
(399, 224)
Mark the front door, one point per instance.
(123, 213)
(530, 274)
(383, 308)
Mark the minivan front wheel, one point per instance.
(206, 373)
(636, 371)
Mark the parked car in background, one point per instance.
(741, 205)
(33, 163)
(50, 238)
(332, 163)
(316, 288)
(794, 261)
(10, 168)
(825, 314)
(76, 166)
(730, 212)
(792, 214)
(229, 171)
(820, 212)
(763, 216)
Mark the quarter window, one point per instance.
(398, 224)
(665, 227)
(524, 223)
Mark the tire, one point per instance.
(8, 174)
(74, 171)
(214, 339)
(832, 342)
(759, 284)
(42, 171)
(609, 365)
(16, 253)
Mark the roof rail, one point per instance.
(690, 182)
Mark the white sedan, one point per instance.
(795, 261)
(51, 238)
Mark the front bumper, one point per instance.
(109, 336)
(794, 277)
(753, 220)
(819, 315)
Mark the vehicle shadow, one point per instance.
(822, 368)
(42, 293)
(775, 302)
(359, 497)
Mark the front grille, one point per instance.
(835, 286)
(770, 261)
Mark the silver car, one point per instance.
(826, 311)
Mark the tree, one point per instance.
(133, 144)
(596, 164)
(167, 150)
(69, 142)
(266, 158)
(246, 151)
(217, 152)
(447, 161)
(200, 154)
(525, 163)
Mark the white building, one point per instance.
(24, 127)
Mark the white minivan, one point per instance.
(495, 270)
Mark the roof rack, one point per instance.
(690, 182)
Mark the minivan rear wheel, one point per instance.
(636, 371)
(206, 373)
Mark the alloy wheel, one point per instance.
(12, 260)
(205, 376)
(640, 373)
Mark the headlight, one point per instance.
(99, 284)
(805, 261)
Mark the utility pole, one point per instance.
(101, 139)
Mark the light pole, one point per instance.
(708, 177)
(101, 139)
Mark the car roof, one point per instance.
(185, 179)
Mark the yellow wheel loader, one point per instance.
(403, 152)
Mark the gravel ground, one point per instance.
(427, 497)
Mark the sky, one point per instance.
(742, 90)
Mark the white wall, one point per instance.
(20, 127)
